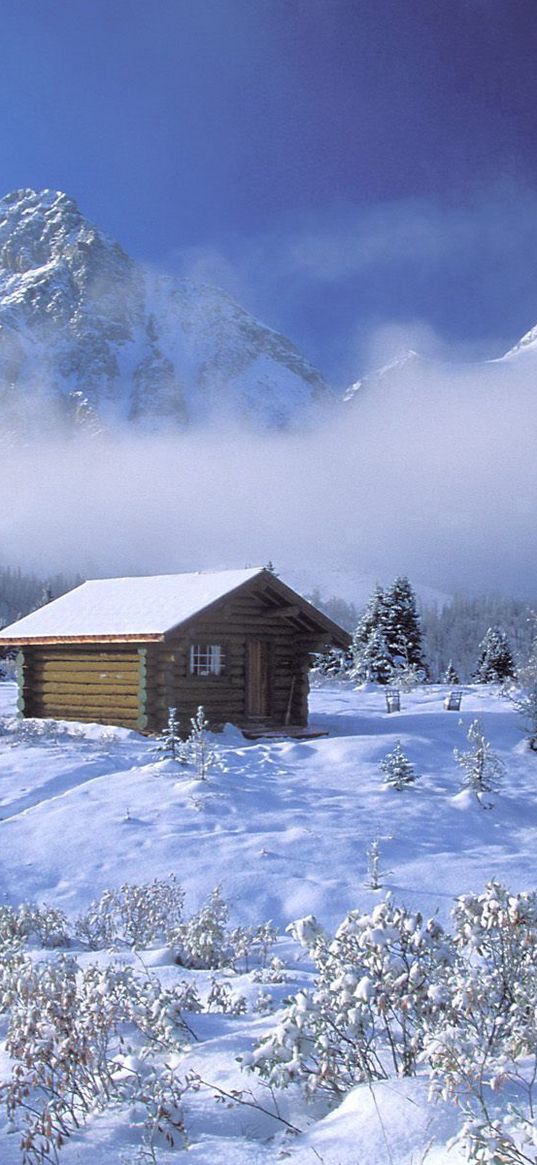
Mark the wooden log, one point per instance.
(77, 702)
(86, 668)
(49, 688)
(58, 713)
(41, 655)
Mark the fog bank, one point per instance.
(431, 471)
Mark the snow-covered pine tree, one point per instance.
(495, 661)
(482, 769)
(387, 639)
(202, 755)
(397, 768)
(401, 626)
(169, 744)
(451, 675)
(371, 659)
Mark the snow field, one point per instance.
(283, 826)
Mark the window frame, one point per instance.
(200, 660)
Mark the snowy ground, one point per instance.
(283, 827)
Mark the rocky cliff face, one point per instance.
(88, 337)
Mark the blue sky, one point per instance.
(349, 169)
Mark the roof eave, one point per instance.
(48, 640)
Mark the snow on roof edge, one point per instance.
(101, 609)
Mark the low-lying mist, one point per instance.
(431, 472)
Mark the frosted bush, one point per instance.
(204, 940)
(526, 704)
(132, 916)
(222, 998)
(380, 982)
(488, 1048)
(67, 1035)
(47, 925)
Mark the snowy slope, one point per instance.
(87, 335)
(283, 826)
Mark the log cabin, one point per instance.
(124, 650)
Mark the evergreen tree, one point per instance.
(370, 656)
(169, 744)
(387, 641)
(397, 768)
(451, 674)
(495, 661)
(372, 661)
(402, 625)
(482, 769)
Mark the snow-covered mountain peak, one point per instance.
(87, 334)
(400, 361)
(527, 342)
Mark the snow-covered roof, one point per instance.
(119, 608)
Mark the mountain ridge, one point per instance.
(89, 337)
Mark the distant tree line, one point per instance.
(394, 639)
(21, 593)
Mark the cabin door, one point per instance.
(258, 681)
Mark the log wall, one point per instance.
(86, 683)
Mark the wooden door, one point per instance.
(258, 682)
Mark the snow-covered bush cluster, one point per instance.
(70, 1036)
(83, 1038)
(396, 994)
(392, 995)
(137, 916)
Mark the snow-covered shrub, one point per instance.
(397, 769)
(333, 664)
(203, 941)
(482, 769)
(132, 916)
(486, 1049)
(252, 943)
(66, 1037)
(45, 924)
(380, 984)
(222, 998)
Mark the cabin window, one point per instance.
(206, 659)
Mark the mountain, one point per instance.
(89, 336)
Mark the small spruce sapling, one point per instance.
(482, 769)
(202, 755)
(169, 744)
(373, 879)
(451, 675)
(397, 769)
